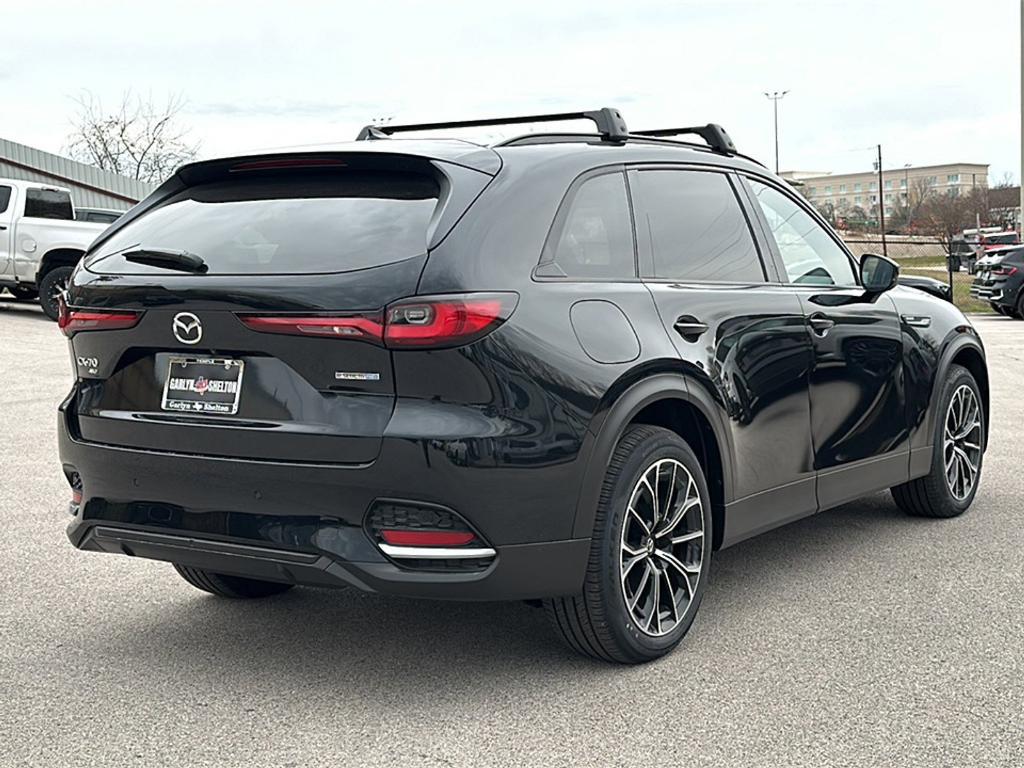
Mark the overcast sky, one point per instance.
(933, 80)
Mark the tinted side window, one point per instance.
(594, 239)
(48, 204)
(5, 198)
(696, 227)
(811, 256)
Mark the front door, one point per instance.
(739, 332)
(858, 416)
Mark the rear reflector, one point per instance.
(290, 162)
(428, 322)
(416, 538)
(72, 321)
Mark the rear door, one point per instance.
(858, 402)
(272, 349)
(7, 201)
(739, 332)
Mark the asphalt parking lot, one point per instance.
(856, 637)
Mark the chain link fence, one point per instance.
(928, 258)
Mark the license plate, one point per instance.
(203, 385)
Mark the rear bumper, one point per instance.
(304, 524)
(518, 572)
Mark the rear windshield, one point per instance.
(1001, 239)
(285, 225)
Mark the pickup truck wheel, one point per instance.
(23, 292)
(52, 288)
(234, 587)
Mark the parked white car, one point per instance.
(40, 241)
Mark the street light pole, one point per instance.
(775, 97)
(881, 202)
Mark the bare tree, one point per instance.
(948, 215)
(138, 138)
(1005, 181)
(920, 191)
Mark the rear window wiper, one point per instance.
(167, 258)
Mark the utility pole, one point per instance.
(775, 97)
(881, 200)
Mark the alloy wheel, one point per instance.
(961, 445)
(662, 547)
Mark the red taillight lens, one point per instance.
(423, 322)
(412, 538)
(1004, 271)
(73, 321)
(357, 327)
(446, 321)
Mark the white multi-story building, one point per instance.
(846, 191)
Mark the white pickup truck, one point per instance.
(40, 241)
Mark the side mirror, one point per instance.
(877, 273)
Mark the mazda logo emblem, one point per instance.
(187, 328)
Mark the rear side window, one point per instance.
(5, 198)
(593, 236)
(294, 224)
(48, 204)
(696, 227)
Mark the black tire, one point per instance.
(931, 496)
(598, 622)
(999, 309)
(235, 587)
(23, 292)
(52, 285)
(1019, 312)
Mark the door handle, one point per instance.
(821, 325)
(689, 327)
(3, 227)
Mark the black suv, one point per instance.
(564, 368)
(1000, 277)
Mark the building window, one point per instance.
(903, 183)
(932, 180)
(873, 186)
(888, 199)
(810, 191)
(858, 199)
(953, 178)
(856, 187)
(828, 190)
(842, 189)
(888, 184)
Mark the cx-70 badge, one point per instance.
(187, 328)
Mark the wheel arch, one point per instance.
(58, 257)
(964, 350)
(666, 400)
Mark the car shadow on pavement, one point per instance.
(368, 643)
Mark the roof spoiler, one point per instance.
(712, 133)
(609, 122)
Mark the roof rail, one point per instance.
(712, 133)
(609, 124)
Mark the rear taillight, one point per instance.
(446, 321)
(427, 322)
(1004, 271)
(73, 321)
